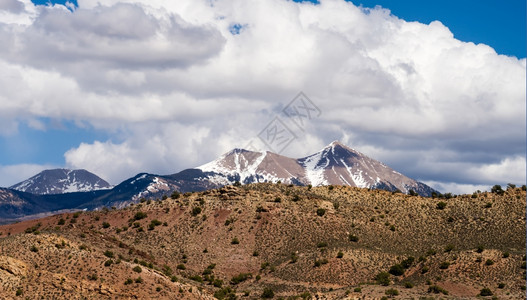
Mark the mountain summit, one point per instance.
(335, 164)
(59, 181)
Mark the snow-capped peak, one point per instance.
(59, 181)
(334, 164)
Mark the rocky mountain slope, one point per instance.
(59, 181)
(332, 242)
(336, 164)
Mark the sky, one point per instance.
(434, 89)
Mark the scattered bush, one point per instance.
(61, 222)
(322, 244)
(479, 249)
(92, 277)
(392, 292)
(267, 293)
(108, 263)
(444, 265)
(340, 254)
(156, 222)
(62, 245)
(167, 270)
(408, 284)
(431, 252)
(105, 225)
(353, 238)
(320, 262)
(33, 248)
(196, 211)
(33, 229)
(437, 289)
(321, 212)
(260, 208)
(441, 205)
(506, 254)
(19, 292)
(137, 269)
(240, 278)
(139, 215)
(489, 262)
(108, 254)
(407, 263)
(225, 293)
(128, 281)
(485, 292)
(294, 258)
(196, 278)
(383, 278)
(217, 283)
(496, 189)
(449, 248)
(139, 280)
(396, 270)
(235, 241)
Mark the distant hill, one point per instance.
(60, 181)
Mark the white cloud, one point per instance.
(456, 188)
(13, 174)
(175, 88)
(12, 6)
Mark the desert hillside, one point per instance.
(274, 240)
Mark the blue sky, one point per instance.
(500, 24)
(102, 94)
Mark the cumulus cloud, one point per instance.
(176, 86)
(12, 6)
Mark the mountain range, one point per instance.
(336, 164)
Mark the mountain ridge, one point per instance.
(335, 164)
(60, 181)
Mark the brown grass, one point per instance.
(275, 230)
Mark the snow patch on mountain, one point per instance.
(315, 172)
